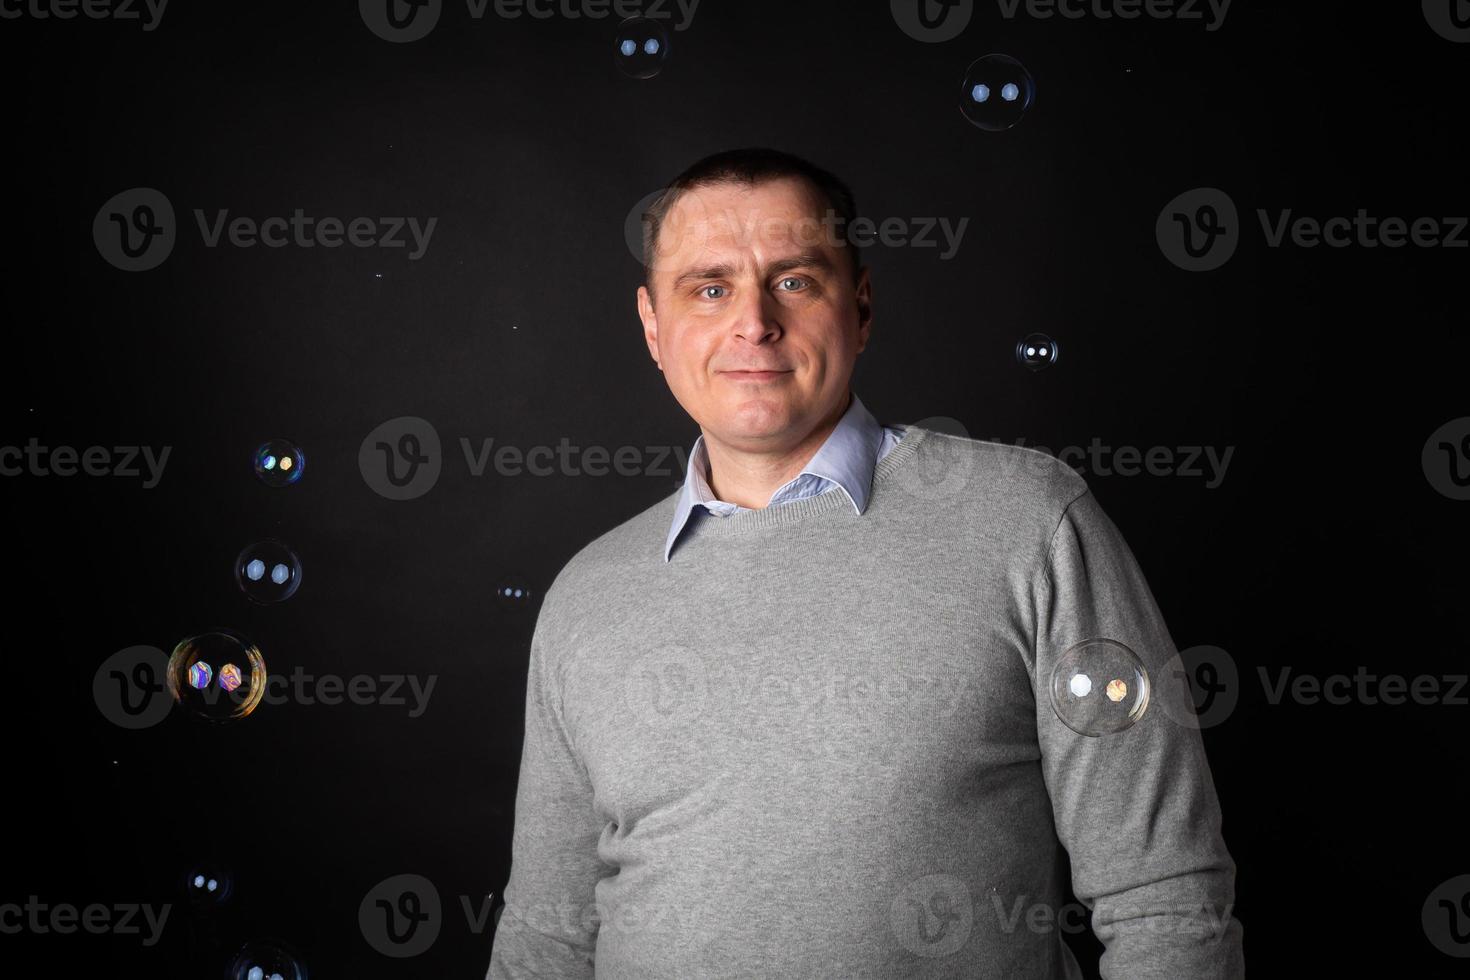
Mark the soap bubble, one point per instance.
(1099, 687)
(279, 463)
(996, 92)
(217, 676)
(514, 593)
(268, 571)
(1036, 351)
(208, 885)
(266, 959)
(642, 45)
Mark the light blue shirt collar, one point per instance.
(847, 458)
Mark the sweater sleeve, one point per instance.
(548, 928)
(1136, 810)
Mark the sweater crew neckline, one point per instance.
(773, 515)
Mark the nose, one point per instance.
(755, 320)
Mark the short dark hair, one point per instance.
(750, 166)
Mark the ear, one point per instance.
(864, 291)
(650, 323)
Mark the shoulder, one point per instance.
(999, 477)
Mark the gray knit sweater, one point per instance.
(818, 744)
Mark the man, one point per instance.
(794, 720)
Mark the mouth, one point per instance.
(754, 375)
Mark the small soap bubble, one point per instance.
(268, 571)
(514, 592)
(279, 463)
(996, 92)
(1036, 351)
(208, 885)
(235, 666)
(642, 45)
(1099, 687)
(266, 959)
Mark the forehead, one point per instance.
(775, 214)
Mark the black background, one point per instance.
(1324, 549)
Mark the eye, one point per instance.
(800, 283)
(704, 291)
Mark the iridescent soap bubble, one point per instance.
(996, 92)
(237, 669)
(1099, 687)
(279, 463)
(1036, 351)
(641, 47)
(266, 959)
(268, 571)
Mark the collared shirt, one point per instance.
(845, 461)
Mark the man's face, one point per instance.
(751, 279)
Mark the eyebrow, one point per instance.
(808, 259)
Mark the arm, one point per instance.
(548, 928)
(1136, 810)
